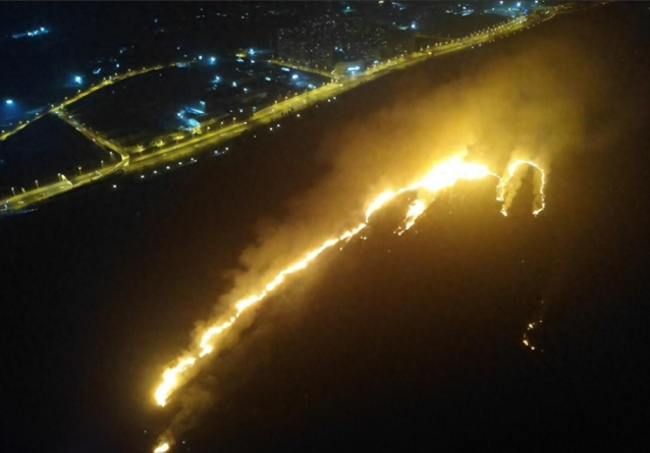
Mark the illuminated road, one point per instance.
(107, 81)
(186, 144)
(118, 160)
(300, 68)
(271, 114)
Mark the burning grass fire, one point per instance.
(440, 177)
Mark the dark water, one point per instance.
(414, 348)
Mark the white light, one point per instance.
(213, 59)
(294, 77)
(200, 57)
(9, 102)
(77, 79)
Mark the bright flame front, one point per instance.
(162, 448)
(442, 176)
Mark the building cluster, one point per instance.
(323, 42)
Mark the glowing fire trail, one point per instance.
(441, 176)
(503, 187)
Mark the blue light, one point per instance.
(251, 52)
(78, 79)
(9, 102)
(212, 59)
(234, 84)
(217, 79)
(97, 71)
(413, 24)
(294, 77)
(240, 60)
(200, 57)
(286, 69)
(268, 79)
(117, 65)
(353, 68)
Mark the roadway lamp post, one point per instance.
(36, 183)
(13, 190)
(102, 164)
(79, 169)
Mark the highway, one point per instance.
(286, 64)
(117, 157)
(107, 81)
(187, 144)
(191, 144)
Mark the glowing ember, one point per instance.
(162, 448)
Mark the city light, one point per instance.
(200, 57)
(213, 59)
(9, 102)
(37, 32)
(78, 79)
(294, 77)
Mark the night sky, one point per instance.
(391, 344)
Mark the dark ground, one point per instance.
(417, 348)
